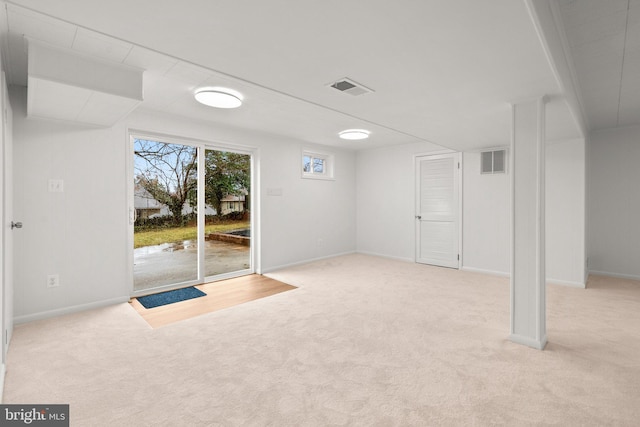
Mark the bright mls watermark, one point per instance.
(34, 415)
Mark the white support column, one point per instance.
(528, 311)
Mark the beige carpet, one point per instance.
(364, 341)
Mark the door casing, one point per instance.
(6, 214)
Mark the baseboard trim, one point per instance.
(483, 271)
(567, 283)
(395, 258)
(68, 310)
(529, 342)
(307, 261)
(550, 281)
(617, 275)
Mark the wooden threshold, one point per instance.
(222, 294)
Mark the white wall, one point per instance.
(386, 209)
(386, 200)
(81, 234)
(614, 202)
(313, 218)
(487, 210)
(566, 212)
(486, 218)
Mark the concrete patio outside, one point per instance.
(169, 263)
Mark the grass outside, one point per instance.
(178, 234)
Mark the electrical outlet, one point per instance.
(53, 280)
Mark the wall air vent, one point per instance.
(493, 161)
(349, 86)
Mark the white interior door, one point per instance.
(438, 210)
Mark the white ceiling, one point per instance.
(604, 37)
(442, 71)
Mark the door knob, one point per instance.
(418, 217)
(16, 225)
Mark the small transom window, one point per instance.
(317, 165)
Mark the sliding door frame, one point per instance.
(201, 146)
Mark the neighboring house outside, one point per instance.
(230, 204)
(148, 207)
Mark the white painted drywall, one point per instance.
(386, 203)
(486, 218)
(486, 215)
(566, 212)
(386, 199)
(81, 234)
(614, 202)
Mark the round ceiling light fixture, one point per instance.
(354, 134)
(219, 97)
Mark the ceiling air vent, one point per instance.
(349, 86)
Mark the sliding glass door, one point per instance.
(190, 214)
(227, 185)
